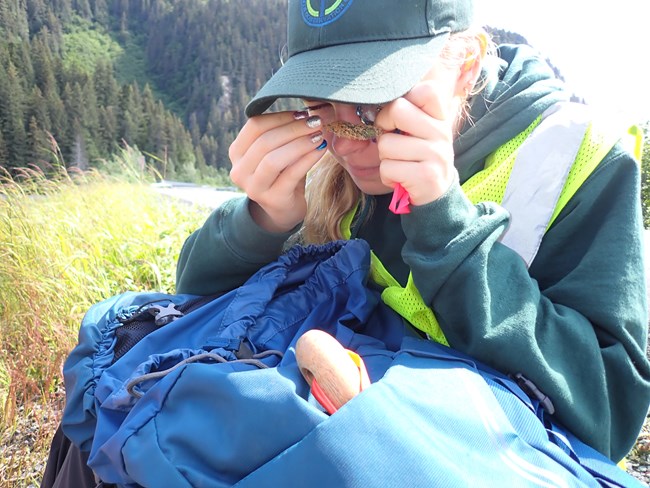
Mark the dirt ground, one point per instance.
(638, 462)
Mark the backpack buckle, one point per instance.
(165, 315)
(535, 393)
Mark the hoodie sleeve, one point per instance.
(575, 323)
(227, 250)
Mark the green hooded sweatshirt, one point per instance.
(575, 322)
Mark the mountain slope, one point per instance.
(169, 77)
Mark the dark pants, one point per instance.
(66, 466)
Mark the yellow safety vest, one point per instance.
(571, 146)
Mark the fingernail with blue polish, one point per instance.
(322, 145)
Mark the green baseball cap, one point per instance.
(360, 51)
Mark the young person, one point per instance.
(523, 231)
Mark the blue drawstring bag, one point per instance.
(210, 395)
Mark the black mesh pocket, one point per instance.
(143, 322)
(130, 334)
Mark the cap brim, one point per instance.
(367, 72)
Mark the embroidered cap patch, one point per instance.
(318, 13)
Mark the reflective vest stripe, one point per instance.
(539, 188)
(539, 174)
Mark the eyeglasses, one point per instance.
(368, 113)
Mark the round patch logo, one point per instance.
(318, 13)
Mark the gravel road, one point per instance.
(204, 196)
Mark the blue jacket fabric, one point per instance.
(181, 408)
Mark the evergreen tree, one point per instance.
(41, 56)
(58, 127)
(90, 120)
(37, 108)
(224, 139)
(201, 167)
(107, 140)
(147, 106)
(195, 129)
(210, 150)
(106, 86)
(73, 112)
(54, 33)
(4, 152)
(13, 21)
(129, 111)
(12, 123)
(37, 15)
(6, 23)
(158, 135)
(82, 8)
(38, 144)
(22, 61)
(62, 9)
(100, 12)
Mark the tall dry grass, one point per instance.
(67, 241)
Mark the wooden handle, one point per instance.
(321, 357)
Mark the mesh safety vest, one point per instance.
(533, 176)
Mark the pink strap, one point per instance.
(401, 201)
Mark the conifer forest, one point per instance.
(81, 78)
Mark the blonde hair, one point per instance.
(331, 193)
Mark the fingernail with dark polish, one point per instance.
(313, 122)
(303, 114)
(322, 146)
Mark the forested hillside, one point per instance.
(168, 77)
(81, 78)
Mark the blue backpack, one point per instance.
(182, 391)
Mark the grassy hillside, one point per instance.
(66, 243)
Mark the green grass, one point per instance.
(66, 243)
